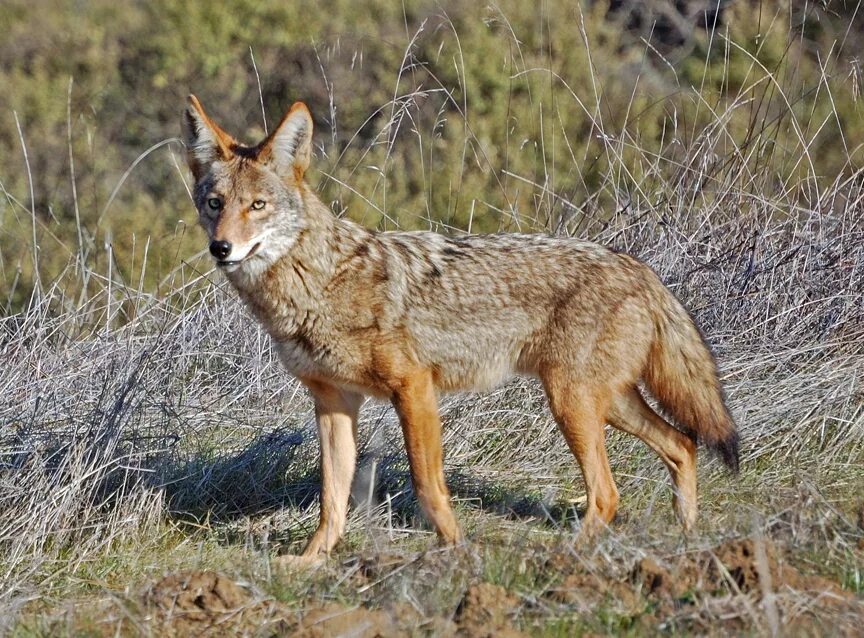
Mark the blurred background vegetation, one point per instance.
(445, 115)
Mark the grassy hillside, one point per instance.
(432, 115)
(149, 437)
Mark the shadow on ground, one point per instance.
(279, 469)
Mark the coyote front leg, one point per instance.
(336, 412)
(417, 406)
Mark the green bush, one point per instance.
(448, 115)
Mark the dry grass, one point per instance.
(146, 433)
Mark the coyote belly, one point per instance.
(408, 315)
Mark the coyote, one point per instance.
(408, 315)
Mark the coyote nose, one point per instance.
(220, 249)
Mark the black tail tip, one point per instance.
(727, 449)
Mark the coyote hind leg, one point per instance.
(580, 411)
(630, 413)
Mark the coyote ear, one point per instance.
(288, 148)
(205, 141)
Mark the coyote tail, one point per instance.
(682, 375)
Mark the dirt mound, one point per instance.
(205, 603)
(655, 579)
(757, 567)
(197, 593)
(686, 592)
(750, 565)
(585, 590)
(690, 591)
(487, 610)
(740, 565)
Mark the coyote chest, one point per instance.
(302, 357)
(319, 349)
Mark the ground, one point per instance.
(549, 584)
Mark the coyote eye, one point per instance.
(258, 204)
(215, 203)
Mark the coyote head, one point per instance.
(249, 198)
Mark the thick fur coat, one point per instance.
(407, 315)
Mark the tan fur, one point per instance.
(408, 315)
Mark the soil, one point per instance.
(686, 592)
(740, 565)
(755, 569)
(487, 611)
(737, 575)
(205, 603)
